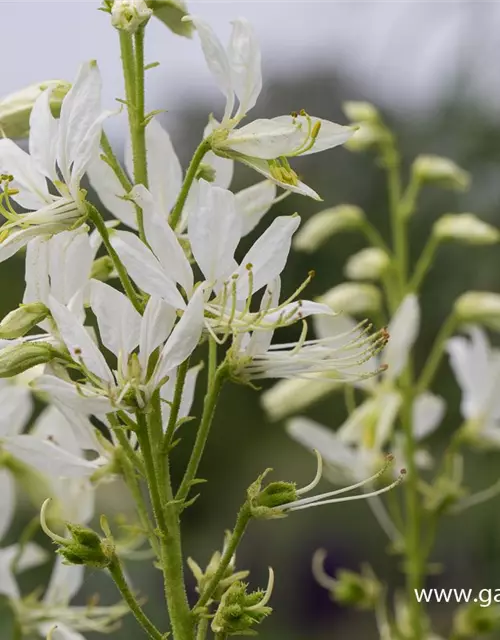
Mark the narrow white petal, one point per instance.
(59, 631)
(145, 269)
(31, 556)
(37, 271)
(65, 582)
(78, 341)
(32, 185)
(184, 338)
(156, 326)
(71, 256)
(43, 136)
(163, 241)
(52, 425)
(330, 134)
(266, 139)
(254, 202)
(268, 255)
(119, 323)
(8, 584)
(110, 191)
(245, 62)
(16, 407)
(217, 61)
(214, 229)
(261, 340)
(7, 502)
(164, 168)
(428, 411)
(403, 331)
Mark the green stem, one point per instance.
(194, 165)
(116, 572)
(112, 161)
(244, 517)
(373, 236)
(424, 264)
(212, 361)
(171, 554)
(202, 435)
(176, 405)
(101, 227)
(201, 632)
(434, 359)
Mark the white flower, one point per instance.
(318, 229)
(477, 368)
(165, 182)
(445, 172)
(60, 151)
(129, 15)
(368, 264)
(353, 298)
(264, 144)
(479, 307)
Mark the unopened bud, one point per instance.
(353, 298)
(18, 322)
(102, 269)
(443, 171)
(367, 264)
(129, 15)
(292, 396)
(366, 136)
(172, 14)
(323, 225)
(18, 358)
(265, 502)
(360, 111)
(465, 228)
(206, 172)
(15, 109)
(239, 611)
(478, 307)
(479, 618)
(360, 590)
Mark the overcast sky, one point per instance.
(405, 53)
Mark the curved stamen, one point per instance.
(267, 595)
(45, 528)
(317, 477)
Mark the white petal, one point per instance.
(254, 202)
(37, 271)
(48, 458)
(73, 403)
(119, 323)
(144, 268)
(32, 556)
(262, 167)
(214, 229)
(245, 62)
(389, 408)
(330, 134)
(164, 168)
(268, 255)
(217, 60)
(16, 407)
(43, 136)
(265, 139)
(78, 341)
(52, 425)
(80, 109)
(428, 411)
(184, 338)
(8, 584)
(32, 185)
(19, 239)
(261, 340)
(403, 331)
(163, 241)
(7, 502)
(303, 309)
(109, 191)
(75, 498)
(65, 582)
(157, 323)
(59, 631)
(71, 256)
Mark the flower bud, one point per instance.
(353, 298)
(292, 396)
(171, 13)
(358, 111)
(366, 136)
(18, 322)
(264, 501)
(102, 269)
(15, 109)
(478, 618)
(18, 358)
(240, 611)
(479, 307)
(442, 171)
(321, 226)
(360, 590)
(206, 172)
(129, 15)
(466, 228)
(367, 264)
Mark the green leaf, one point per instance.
(171, 12)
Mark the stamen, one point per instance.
(267, 595)
(319, 573)
(317, 477)
(45, 528)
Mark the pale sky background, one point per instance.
(405, 54)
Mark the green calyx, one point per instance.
(239, 611)
(268, 502)
(87, 548)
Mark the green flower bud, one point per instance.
(129, 15)
(477, 618)
(264, 502)
(441, 171)
(206, 172)
(203, 578)
(360, 590)
(323, 225)
(102, 269)
(358, 111)
(479, 307)
(15, 109)
(20, 357)
(353, 298)
(171, 13)
(18, 322)
(465, 228)
(239, 611)
(367, 264)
